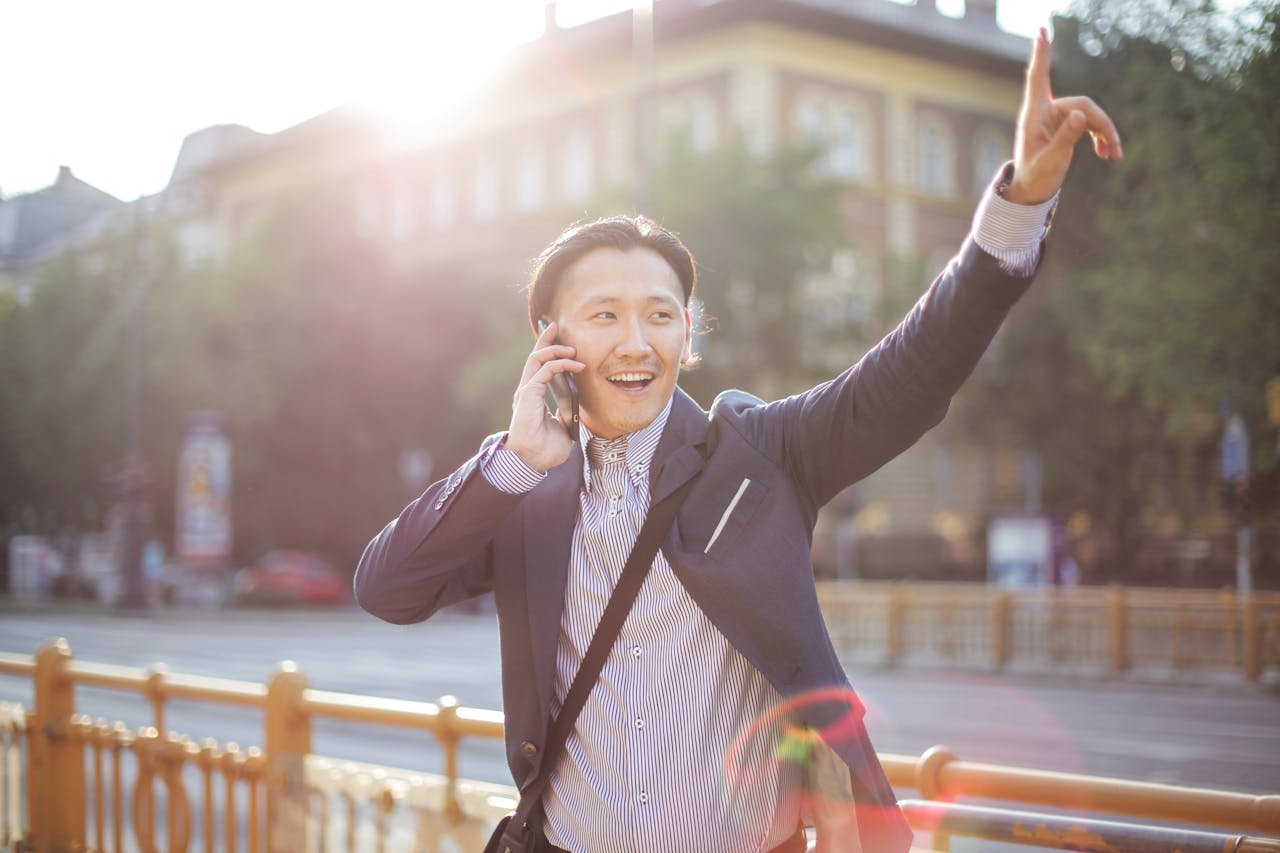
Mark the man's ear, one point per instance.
(687, 354)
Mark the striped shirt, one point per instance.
(645, 767)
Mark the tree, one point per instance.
(327, 365)
(759, 227)
(1158, 299)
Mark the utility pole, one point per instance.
(1235, 476)
(132, 481)
(645, 118)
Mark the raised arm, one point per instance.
(842, 430)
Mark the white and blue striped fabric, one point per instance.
(1011, 233)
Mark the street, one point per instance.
(1225, 735)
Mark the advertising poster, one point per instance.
(203, 529)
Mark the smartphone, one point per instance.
(565, 395)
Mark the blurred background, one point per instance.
(221, 374)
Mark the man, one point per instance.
(722, 720)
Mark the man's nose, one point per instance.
(634, 341)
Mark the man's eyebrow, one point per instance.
(613, 300)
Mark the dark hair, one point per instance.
(613, 232)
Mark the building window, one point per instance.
(578, 168)
(401, 213)
(531, 177)
(991, 148)
(444, 204)
(935, 163)
(368, 209)
(691, 119)
(484, 188)
(8, 225)
(842, 126)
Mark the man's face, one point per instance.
(624, 313)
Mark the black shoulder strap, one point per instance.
(655, 526)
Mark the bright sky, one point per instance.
(112, 88)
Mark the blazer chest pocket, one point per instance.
(735, 516)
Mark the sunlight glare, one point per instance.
(432, 56)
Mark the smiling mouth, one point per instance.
(633, 380)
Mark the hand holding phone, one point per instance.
(542, 440)
(565, 394)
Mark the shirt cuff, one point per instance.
(507, 472)
(1012, 233)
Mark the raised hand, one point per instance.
(1048, 129)
(539, 437)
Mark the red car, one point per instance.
(291, 577)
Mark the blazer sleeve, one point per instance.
(438, 551)
(833, 435)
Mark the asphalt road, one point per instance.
(1221, 735)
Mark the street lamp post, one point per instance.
(132, 481)
(642, 61)
(1235, 476)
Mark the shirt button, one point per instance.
(529, 748)
(639, 723)
(644, 798)
(636, 651)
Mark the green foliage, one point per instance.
(758, 225)
(324, 365)
(1158, 300)
(60, 352)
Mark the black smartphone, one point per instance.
(565, 394)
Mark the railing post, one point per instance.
(448, 737)
(288, 743)
(1002, 629)
(1252, 638)
(929, 783)
(1116, 619)
(56, 760)
(893, 626)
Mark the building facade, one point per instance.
(913, 111)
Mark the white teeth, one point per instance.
(630, 377)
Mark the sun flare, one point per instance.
(434, 56)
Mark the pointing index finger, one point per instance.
(1038, 68)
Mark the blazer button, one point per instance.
(529, 748)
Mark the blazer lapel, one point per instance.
(680, 453)
(548, 534)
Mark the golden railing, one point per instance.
(1111, 630)
(285, 798)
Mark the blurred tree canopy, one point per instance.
(325, 364)
(758, 227)
(1158, 304)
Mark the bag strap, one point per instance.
(656, 524)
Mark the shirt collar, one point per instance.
(640, 445)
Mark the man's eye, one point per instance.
(663, 315)
(603, 315)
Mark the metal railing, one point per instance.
(285, 798)
(1111, 630)
(947, 820)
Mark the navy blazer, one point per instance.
(463, 537)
